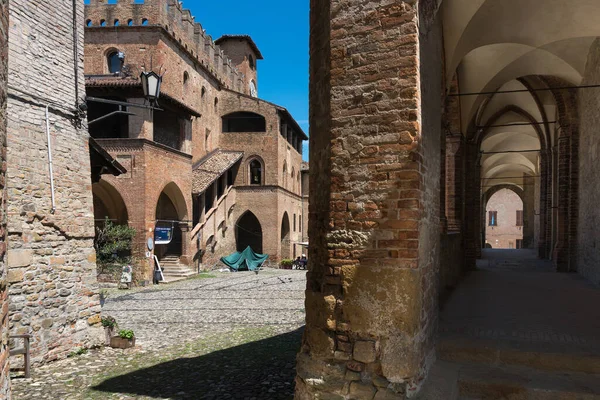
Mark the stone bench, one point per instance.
(23, 350)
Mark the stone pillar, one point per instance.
(4, 350)
(528, 211)
(561, 249)
(454, 181)
(545, 202)
(374, 203)
(472, 215)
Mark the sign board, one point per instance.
(163, 235)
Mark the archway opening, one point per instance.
(171, 213)
(285, 236)
(108, 204)
(248, 232)
(504, 220)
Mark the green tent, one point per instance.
(247, 260)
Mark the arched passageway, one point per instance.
(398, 172)
(171, 214)
(108, 203)
(248, 232)
(285, 236)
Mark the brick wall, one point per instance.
(51, 258)
(4, 366)
(589, 190)
(374, 224)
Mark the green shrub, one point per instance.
(108, 322)
(286, 262)
(126, 334)
(113, 247)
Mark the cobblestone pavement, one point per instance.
(231, 336)
(513, 296)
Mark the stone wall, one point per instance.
(589, 189)
(51, 258)
(374, 226)
(4, 366)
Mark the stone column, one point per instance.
(454, 181)
(561, 250)
(528, 211)
(4, 350)
(472, 213)
(374, 203)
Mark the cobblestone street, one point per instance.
(223, 336)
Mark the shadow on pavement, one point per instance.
(259, 370)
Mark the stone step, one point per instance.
(171, 279)
(568, 357)
(477, 381)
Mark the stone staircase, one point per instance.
(173, 270)
(475, 369)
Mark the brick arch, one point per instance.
(492, 191)
(109, 201)
(175, 194)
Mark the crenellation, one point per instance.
(177, 22)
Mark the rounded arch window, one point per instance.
(130, 22)
(117, 22)
(88, 22)
(256, 172)
(102, 22)
(115, 61)
(216, 102)
(186, 78)
(251, 61)
(252, 87)
(203, 92)
(144, 22)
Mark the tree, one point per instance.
(113, 245)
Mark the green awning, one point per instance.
(247, 260)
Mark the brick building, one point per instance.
(420, 111)
(504, 220)
(217, 165)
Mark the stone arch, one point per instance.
(108, 203)
(248, 232)
(285, 236)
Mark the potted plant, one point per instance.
(124, 340)
(109, 324)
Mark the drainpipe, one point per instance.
(50, 162)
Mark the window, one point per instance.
(216, 103)
(203, 92)
(244, 122)
(255, 172)
(519, 243)
(186, 77)
(251, 61)
(300, 223)
(207, 140)
(493, 218)
(230, 179)
(519, 217)
(102, 22)
(88, 22)
(130, 22)
(115, 62)
(294, 222)
(117, 22)
(144, 22)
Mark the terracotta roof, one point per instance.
(211, 167)
(242, 37)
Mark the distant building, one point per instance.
(218, 165)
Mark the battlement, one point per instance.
(180, 25)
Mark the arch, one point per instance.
(102, 22)
(256, 171)
(114, 61)
(504, 221)
(144, 22)
(88, 22)
(251, 61)
(244, 121)
(130, 22)
(176, 197)
(186, 78)
(248, 232)
(116, 22)
(108, 203)
(285, 236)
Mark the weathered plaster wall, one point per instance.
(4, 366)
(589, 157)
(51, 258)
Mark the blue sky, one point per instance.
(280, 29)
